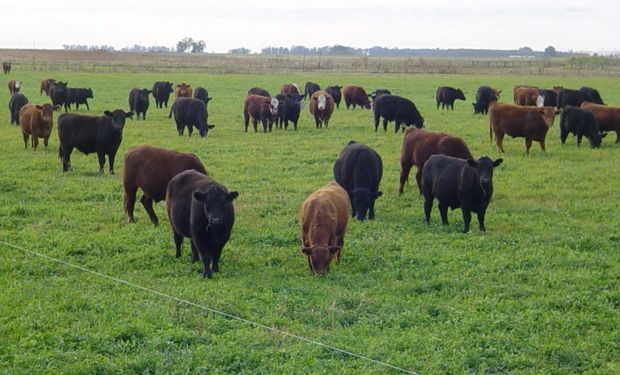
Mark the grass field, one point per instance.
(537, 293)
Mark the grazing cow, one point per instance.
(258, 91)
(139, 102)
(37, 121)
(334, 92)
(16, 103)
(88, 134)
(202, 94)
(190, 112)
(485, 96)
(446, 96)
(551, 97)
(79, 96)
(323, 218)
(263, 108)
(58, 94)
(398, 109)
(593, 95)
(311, 88)
(358, 170)
(458, 183)
(607, 118)
(355, 95)
(45, 86)
(576, 97)
(291, 89)
(532, 123)
(581, 123)
(161, 93)
(321, 108)
(526, 95)
(151, 169)
(289, 108)
(377, 93)
(419, 145)
(6, 67)
(14, 86)
(201, 209)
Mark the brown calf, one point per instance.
(321, 107)
(516, 121)
(263, 108)
(14, 86)
(37, 121)
(608, 118)
(45, 86)
(526, 95)
(355, 95)
(183, 90)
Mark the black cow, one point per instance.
(310, 89)
(446, 96)
(377, 93)
(398, 109)
(88, 134)
(6, 67)
(258, 91)
(139, 102)
(202, 94)
(576, 97)
(550, 97)
(200, 208)
(288, 110)
(485, 96)
(336, 94)
(581, 123)
(16, 103)
(161, 93)
(59, 95)
(191, 112)
(359, 170)
(593, 95)
(79, 96)
(458, 183)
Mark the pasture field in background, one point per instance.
(537, 293)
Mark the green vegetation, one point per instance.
(538, 293)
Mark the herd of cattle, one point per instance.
(200, 208)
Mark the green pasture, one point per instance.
(537, 293)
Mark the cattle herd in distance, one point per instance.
(200, 208)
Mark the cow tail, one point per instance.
(491, 120)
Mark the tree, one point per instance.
(198, 46)
(184, 45)
(550, 52)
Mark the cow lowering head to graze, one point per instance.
(151, 169)
(161, 93)
(458, 183)
(16, 103)
(36, 121)
(201, 209)
(397, 109)
(446, 96)
(79, 96)
(531, 123)
(419, 145)
(291, 89)
(258, 91)
(335, 93)
(190, 112)
(593, 95)
(139, 101)
(45, 86)
(260, 108)
(310, 89)
(289, 108)
(526, 96)
(607, 118)
(321, 107)
(58, 94)
(581, 123)
(358, 170)
(6, 67)
(202, 94)
(323, 218)
(485, 96)
(14, 86)
(355, 95)
(88, 134)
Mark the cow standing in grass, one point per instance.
(321, 107)
(260, 108)
(37, 121)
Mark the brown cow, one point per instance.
(37, 121)
(183, 90)
(14, 86)
(516, 121)
(6, 67)
(419, 145)
(150, 169)
(608, 118)
(355, 95)
(323, 218)
(45, 86)
(263, 108)
(290, 89)
(526, 95)
(321, 107)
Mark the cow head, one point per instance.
(460, 95)
(118, 117)
(184, 90)
(144, 94)
(362, 200)
(273, 106)
(484, 166)
(47, 113)
(319, 257)
(321, 102)
(89, 93)
(548, 114)
(18, 85)
(204, 131)
(596, 138)
(497, 93)
(540, 101)
(215, 202)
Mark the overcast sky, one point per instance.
(224, 24)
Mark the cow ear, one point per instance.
(129, 114)
(208, 99)
(149, 91)
(334, 249)
(603, 135)
(472, 163)
(39, 107)
(306, 250)
(377, 194)
(200, 196)
(232, 195)
(57, 106)
(210, 126)
(498, 162)
(107, 113)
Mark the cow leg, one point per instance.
(255, 124)
(216, 261)
(26, 137)
(578, 140)
(195, 253)
(617, 136)
(528, 145)
(405, 168)
(326, 122)
(178, 241)
(438, 105)
(499, 140)
(35, 141)
(111, 158)
(147, 202)
(88, 108)
(376, 121)
(190, 130)
(563, 135)
(264, 125)
(428, 205)
(206, 270)
(443, 211)
(481, 221)
(46, 141)
(101, 157)
(246, 121)
(385, 124)
(371, 211)
(397, 126)
(130, 202)
(65, 155)
(295, 125)
(466, 219)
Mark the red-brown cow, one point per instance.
(526, 95)
(150, 169)
(37, 121)
(516, 121)
(263, 108)
(290, 89)
(321, 107)
(14, 86)
(45, 86)
(183, 90)
(608, 118)
(355, 95)
(323, 218)
(419, 145)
